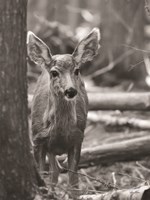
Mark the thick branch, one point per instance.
(129, 150)
(110, 120)
(116, 101)
(140, 193)
(119, 101)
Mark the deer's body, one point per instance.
(59, 109)
(58, 118)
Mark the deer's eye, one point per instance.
(76, 72)
(54, 73)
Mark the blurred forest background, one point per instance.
(122, 65)
(125, 33)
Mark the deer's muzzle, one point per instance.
(70, 93)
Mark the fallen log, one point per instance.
(129, 150)
(116, 101)
(110, 120)
(139, 193)
(119, 101)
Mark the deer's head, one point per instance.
(64, 70)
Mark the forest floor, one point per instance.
(122, 175)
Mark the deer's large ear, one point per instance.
(88, 47)
(37, 50)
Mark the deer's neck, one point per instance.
(62, 112)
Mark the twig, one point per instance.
(87, 179)
(122, 174)
(114, 178)
(111, 65)
(108, 185)
(143, 167)
(135, 65)
(121, 20)
(147, 63)
(139, 173)
(135, 48)
(130, 87)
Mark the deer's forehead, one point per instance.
(64, 62)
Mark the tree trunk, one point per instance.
(73, 16)
(17, 176)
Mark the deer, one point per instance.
(60, 104)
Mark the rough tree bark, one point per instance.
(17, 177)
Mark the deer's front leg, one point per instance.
(53, 170)
(73, 161)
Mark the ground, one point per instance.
(122, 175)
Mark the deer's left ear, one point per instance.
(88, 47)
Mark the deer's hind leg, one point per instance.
(40, 155)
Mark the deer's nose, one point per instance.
(70, 93)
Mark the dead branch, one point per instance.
(142, 167)
(133, 149)
(118, 120)
(128, 150)
(139, 193)
(111, 65)
(108, 185)
(119, 101)
(116, 101)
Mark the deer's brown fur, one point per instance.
(60, 103)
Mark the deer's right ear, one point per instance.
(37, 50)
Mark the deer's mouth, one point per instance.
(70, 99)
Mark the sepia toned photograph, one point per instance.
(74, 99)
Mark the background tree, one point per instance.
(17, 177)
(122, 25)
